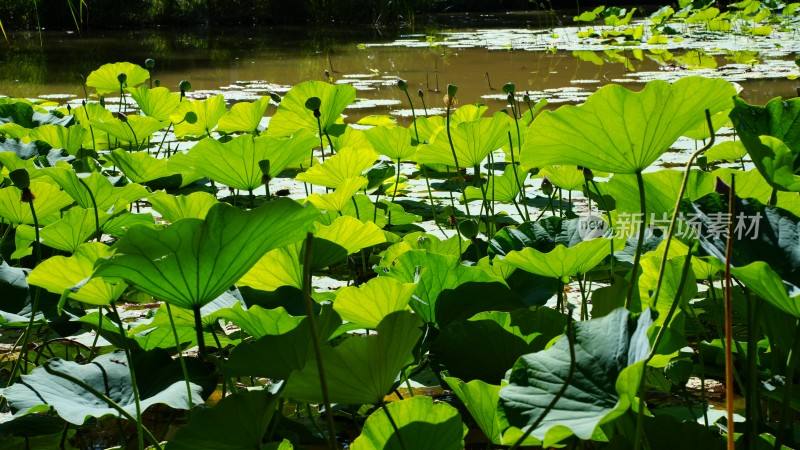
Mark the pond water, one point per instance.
(246, 63)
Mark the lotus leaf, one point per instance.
(369, 303)
(244, 116)
(292, 113)
(208, 113)
(105, 80)
(348, 163)
(158, 103)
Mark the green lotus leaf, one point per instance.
(565, 177)
(236, 162)
(95, 138)
(353, 138)
(292, 113)
(351, 234)
(28, 116)
(726, 151)
(339, 198)
(105, 194)
(105, 80)
(70, 139)
(621, 131)
(278, 267)
(764, 282)
(421, 423)
(158, 378)
(561, 261)
(48, 201)
(75, 227)
(192, 262)
(259, 322)
(542, 235)
(434, 273)
(701, 132)
(670, 283)
(504, 188)
(473, 141)
(776, 163)
(349, 162)
(361, 369)
(12, 130)
(238, 422)
(136, 130)
(393, 142)
(608, 368)
(119, 223)
(368, 304)
(176, 207)
(244, 116)
(158, 103)
(285, 347)
(139, 167)
(481, 401)
(487, 345)
(58, 274)
(208, 112)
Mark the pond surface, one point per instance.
(247, 63)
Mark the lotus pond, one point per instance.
(272, 267)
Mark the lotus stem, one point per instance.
(94, 205)
(307, 258)
(198, 328)
(134, 386)
(516, 175)
(671, 229)
(453, 149)
(639, 243)
(180, 358)
(394, 426)
(729, 318)
(397, 180)
(752, 418)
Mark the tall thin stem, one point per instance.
(134, 386)
(639, 243)
(180, 358)
(729, 319)
(307, 257)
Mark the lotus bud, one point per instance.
(190, 117)
(588, 175)
(468, 228)
(510, 98)
(122, 78)
(402, 84)
(509, 88)
(420, 93)
(122, 117)
(103, 101)
(526, 98)
(264, 166)
(149, 63)
(328, 75)
(69, 109)
(547, 186)
(22, 181)
(156, 82)
(424, 242)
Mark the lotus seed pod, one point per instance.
(402, 84)
(20, 178)
(149, 63)
(526, 98)
(185, 86)
(420, 93)
(190, 117)
(547, 186)
(313, 103)
(122, 78)
(156, 83)
(452, 90)
(509, 88)
(468, 228)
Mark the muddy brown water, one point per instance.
(213, 58)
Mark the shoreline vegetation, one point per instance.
(18, 15)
